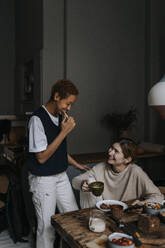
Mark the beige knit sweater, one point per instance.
(130, 184)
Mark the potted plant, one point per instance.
(121, 123)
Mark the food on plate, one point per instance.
(116, 240)
(156, 206)
(122, 241)
(105, 206)
(116, 209)
(148, 223)
(153, 208)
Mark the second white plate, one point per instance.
(111, 202)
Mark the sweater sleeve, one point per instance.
(76, 181)
(150, 192)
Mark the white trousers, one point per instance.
(49, 191)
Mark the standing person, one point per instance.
(48, 159)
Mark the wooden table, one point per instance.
(73, 228)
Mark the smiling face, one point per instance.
(64, 104)
(116, 156)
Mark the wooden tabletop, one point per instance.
(73, 228)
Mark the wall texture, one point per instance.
(105, 57)
(157, 63)
(7, 51)
(110, 49)
(101, 49)
(29, 42)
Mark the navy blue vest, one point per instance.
(58, 162)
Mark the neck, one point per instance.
(51, 108)
(118, 168)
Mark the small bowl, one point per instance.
(117, 235)
(96, 188)
(149, 208)
(162, 215)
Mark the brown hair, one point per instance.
(128, 147)
(64, 88)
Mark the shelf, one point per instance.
(97, 157)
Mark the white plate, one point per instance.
(111, 202)
(117, 236)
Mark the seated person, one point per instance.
(123, 179)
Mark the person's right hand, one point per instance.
(84, 186)
(139, 203)
(68, 124)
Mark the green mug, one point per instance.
(96, 188)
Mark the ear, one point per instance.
(128, 160)
(56, 96)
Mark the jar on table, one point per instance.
(97, 221)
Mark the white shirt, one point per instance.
(37, 138)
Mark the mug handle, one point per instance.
(163, 202)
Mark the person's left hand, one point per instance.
(82, 167)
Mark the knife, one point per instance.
(125, 229)
(134, 207)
